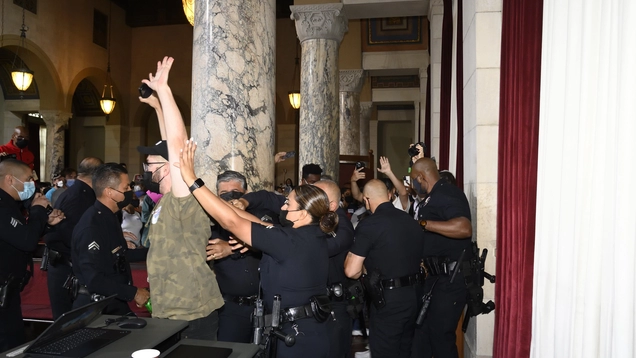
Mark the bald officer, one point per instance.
(389, 244)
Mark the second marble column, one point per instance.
(233, 89)
(351, 82)
(55, 122)
(320, 29)
(366, 108)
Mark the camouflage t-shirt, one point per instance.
(182, 285)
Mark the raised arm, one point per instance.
(221, 211)
(174, 127)
(153, 102)
(355, 190)
(385, 168)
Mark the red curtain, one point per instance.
(445, 85)
(517, 174)
(459, 59)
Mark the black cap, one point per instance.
(160, 148)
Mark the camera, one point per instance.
(413, 151)
(145, 91)
(8, 156)
(360, 165)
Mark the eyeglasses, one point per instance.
(147, 165)
(21, 137)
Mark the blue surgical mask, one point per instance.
(70, 182)
(27, 192)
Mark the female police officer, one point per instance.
(295, 258)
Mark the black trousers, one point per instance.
(436, 337)
(61, 300)
(339, 331)
(205, 328)
(392, 326)
(235, 324)
(11, 325)
(312, 340)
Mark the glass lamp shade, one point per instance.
(108, 102)
(108, 105)
(188, 9)
(22, 78)
(294, 99)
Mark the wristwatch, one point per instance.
(423, 224)
(196, 185)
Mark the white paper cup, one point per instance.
(146, 353)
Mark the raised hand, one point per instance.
(186, 162)
(152, 101)
(160, 78)
(358, 174)
(385, 166)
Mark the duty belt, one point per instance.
(404, 281)
(291, 314)
(59, 258)
(241, 300)
(436, 266)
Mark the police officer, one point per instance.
(389, 244)
(18, 238)
(98, 245)
(295, 257)
(74, 201)
(236, 272)
(445, 217)
(338, 245)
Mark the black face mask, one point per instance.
(282, 218)
(231, 195)
(149, 184)
(22, 143)
(134, 202)
(128, 197)
(348, 199)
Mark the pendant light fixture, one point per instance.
(108, 102)
(21, 75)
(188, 9)
(294, 96)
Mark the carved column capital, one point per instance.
(351, 80)
(53, 118)
(320, 21)
(365, 107)
(435, 7)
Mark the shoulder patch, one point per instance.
(15, 222)
(93, 246)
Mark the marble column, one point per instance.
(55, 122)
(233, 89)
(351, 82)
(436, 17)
(366, 109)
(320, 29)
(422, 113)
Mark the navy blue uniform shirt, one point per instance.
(445, 202)
(96, 236)
(390, 241)
(73, 202)
(18, 238)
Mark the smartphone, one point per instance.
(289, 154)
(360, 165)
(145, 91)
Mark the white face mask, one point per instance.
(60, 184)
(27, 192)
